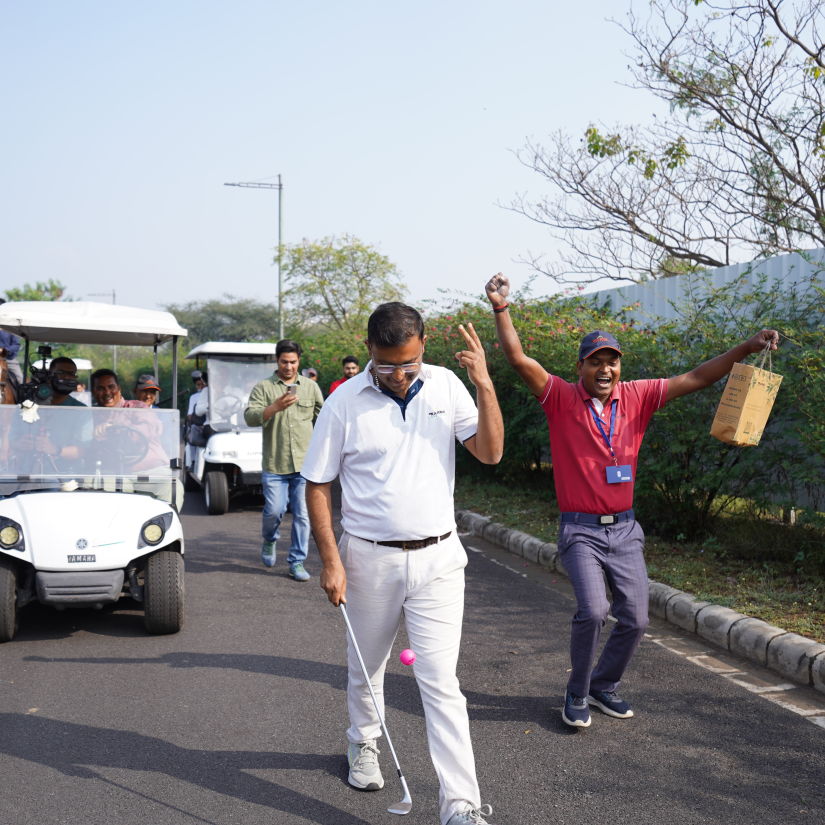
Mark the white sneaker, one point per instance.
(364, 772)
(471, 816)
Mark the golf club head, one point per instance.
(405, 805)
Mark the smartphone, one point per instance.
(292, 389)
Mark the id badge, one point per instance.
(619, 475)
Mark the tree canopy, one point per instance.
(50, 290)
(335, 283)
(227, 319)
(736, 171)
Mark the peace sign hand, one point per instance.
(473, 358)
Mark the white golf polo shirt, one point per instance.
(397, 470)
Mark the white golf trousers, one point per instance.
(427, 585)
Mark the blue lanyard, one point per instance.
(607, 438)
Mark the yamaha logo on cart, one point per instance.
(81, 544)
(75, 559)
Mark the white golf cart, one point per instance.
(89, 495)
(222, 454)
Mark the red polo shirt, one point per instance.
(334, 385)
(579, 452)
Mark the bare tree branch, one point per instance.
(736, 172)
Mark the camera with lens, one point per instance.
(39, 389)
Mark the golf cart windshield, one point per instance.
(69, 448)
(230, 382)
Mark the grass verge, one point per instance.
(773, 589)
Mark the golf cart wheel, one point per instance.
(8, 599)
(163, 592)
(216, 493)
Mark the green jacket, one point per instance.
(287, 433)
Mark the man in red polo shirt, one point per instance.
(596, 429)
(351, 367)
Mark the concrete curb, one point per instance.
(799, 659)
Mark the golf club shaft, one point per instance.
(372, 693)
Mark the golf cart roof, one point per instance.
(232, 348)
(88, 322)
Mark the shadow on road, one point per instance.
(76, 750)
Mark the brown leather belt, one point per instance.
(415, 544)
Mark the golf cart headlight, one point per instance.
(154, 530)
(9, 536)
(152, 533)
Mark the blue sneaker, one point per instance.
(575, 713)
(298, 572)
(268, 553)
(608, 702)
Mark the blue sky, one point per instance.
(393, 123)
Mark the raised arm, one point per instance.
(487, 445)
(711, 371)
(532, 373)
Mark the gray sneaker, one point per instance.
(298, 572)
(364, 772)
(471, 816)
(268, 553)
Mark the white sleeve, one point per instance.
(322, 462)
(465, 413)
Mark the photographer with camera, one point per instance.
(62, 381)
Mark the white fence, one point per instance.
(658, 297)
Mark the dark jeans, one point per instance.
(591, 554)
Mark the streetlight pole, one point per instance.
(280, 187)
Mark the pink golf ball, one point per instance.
(407, 656)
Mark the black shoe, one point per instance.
(575, 713)
(608, 702)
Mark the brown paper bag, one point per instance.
(745, 405)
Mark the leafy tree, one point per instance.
(336, 283)
(227, 319)
(50, 290)
(735, 172)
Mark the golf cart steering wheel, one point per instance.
(122, 446)
(226, 406)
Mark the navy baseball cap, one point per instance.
(594, 341)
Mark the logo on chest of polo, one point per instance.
(437, 412)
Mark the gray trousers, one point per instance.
(590, 555)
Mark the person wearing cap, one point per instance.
(311, 373)
(147, 389)
(596, 429)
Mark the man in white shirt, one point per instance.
(389, 433)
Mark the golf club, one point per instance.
(405, 805)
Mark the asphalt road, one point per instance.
(240, 717)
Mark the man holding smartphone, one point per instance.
(286, 405)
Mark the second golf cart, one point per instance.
(222, 454)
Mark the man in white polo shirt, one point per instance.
(389, 433)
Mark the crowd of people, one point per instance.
(388, 434)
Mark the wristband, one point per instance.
(501, 308)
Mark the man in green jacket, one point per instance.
(286, 405)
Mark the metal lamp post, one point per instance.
(280, 187)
